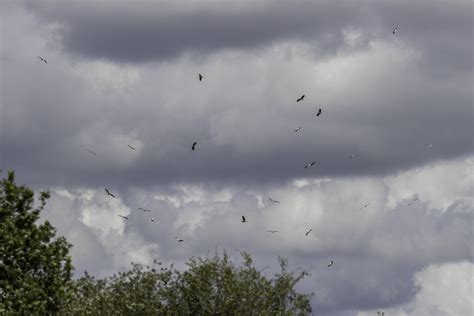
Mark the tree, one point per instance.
(209, 286)
(35, 267)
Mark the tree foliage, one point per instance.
(209, 286)
(35, 267)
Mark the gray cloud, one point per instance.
(148, 31)
(131, 32)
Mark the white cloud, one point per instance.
(445, 290)
(377, 250)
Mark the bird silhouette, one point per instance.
(91, 151)
(395, 30)
(365, 206)
(178, 239)
(108, 193)
(310, 164)
(411, 202)
(193, 147)
(379, 313)
(319, 112)
(244, 220)
(272, 231)
(272, 200)
(131, 147)
(331, 263)
(200, 77)
(300, 98)
(428, 147)
(42, 59)
(152, 219)
(298, 129)
(144, 210)
(309, 231)
(124, 217)
(352, 156)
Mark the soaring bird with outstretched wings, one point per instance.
(272, 200)
(272, 231)
(298, 129)
(124, 217)
(144, 210)
(91, 151)
(42, 59)
(178, 239)
(131, 147)
(331, 263)
(310, 164)
(309, 231)
(108, 192)
(365, 206)
(300, 98)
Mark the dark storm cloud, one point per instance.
(384, 109)
(147, 31)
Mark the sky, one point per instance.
(395, 134)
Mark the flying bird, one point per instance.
(366, 205)
(131, 147)
(200, 77)
(193, 147)
(331, 263)
(411, 202)
(298, 129)
(428, 147)
(319, 112)
(42, 59)
(272, 231)
(124, 217)
(352, 156)
(379, 313)
(178, 239)
(244, 220)
(300, 99)
(395, 30)
(91, 151)
(144, 210)
(108, 192)
(309, 231)
(272, 200)
(310, 164)
(152, 219)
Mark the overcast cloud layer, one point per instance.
(122, 72)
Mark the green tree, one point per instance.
(209, 286)
(35, 267)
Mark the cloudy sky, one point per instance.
(125, 73)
